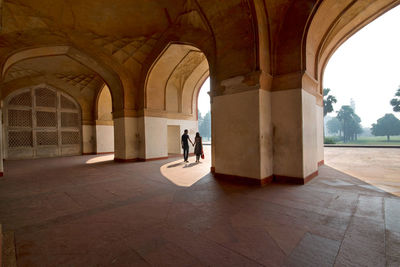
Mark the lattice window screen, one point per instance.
(46, 119)
(69, 119)
(34, 120)
(66, 103)
(45, 98)
(24, 99)
(20, 139)
(47, 138)
(70, 138)
(20, 118)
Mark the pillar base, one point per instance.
(264, 181)
(144, 160)
(294, 180)
(104, 153)
(127, 160)
(243, 180)
(97, 153)
(154, 159)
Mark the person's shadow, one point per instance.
(175, 165)
(191, 164)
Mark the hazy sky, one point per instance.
(204, 98)
(366, 68)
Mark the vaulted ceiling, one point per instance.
(119, 41)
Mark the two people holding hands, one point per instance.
(198, 146)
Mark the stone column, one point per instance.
(212, 136)
(129, 140)
(242, 132)
(88, 138)
(294, 118)
(1, 143)
(320, 129)
(104, 136)
(156, 134)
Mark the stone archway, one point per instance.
(110, 77)
(171, 91)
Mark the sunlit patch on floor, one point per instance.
(100, 159)
(186, 174)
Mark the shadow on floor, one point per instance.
(191, 164)
(175, 165)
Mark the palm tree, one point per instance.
(350, 123)
(396, 101)
(329, 100)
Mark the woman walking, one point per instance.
(198, 146)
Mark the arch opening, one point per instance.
(171, 92)
(362, 77)
(104, 122)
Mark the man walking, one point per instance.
(185, 145)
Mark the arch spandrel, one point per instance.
(333, 23)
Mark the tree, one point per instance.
(386, 126)
(350, 123)
(205, 125)
(334, 126)
(395, 102)
(329, 100)
(199, 117)
(355, 127)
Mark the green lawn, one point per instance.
(375, 140)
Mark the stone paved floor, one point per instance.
(88, 211)
(379, 167)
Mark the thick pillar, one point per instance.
(104, 137)
(156, 135)
(294, 118)
(320, 130)
(212, 169)
(88, 138)
(242, 133)
(1, 147)
(129, 140)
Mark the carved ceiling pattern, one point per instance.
(191, 16)
(186, 67)
(126, 49)
(129, 51)
(17, 17)
(81, 81)
(16, 72)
